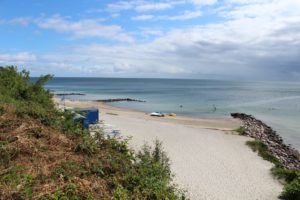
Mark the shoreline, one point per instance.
(218, 123)
(208, 159)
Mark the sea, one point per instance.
(275, 103)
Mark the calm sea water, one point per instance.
(276, 103)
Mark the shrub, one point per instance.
(151, 177)
(87, 146)
(241, 130)
(69, 192)
(28, 182)
(29, 98)
(263, 151)
(12, 177)
(97, 168)
(292, 190)
(282, 173)
(68, 170)
(1, 110)
(7, 154)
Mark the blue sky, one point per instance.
(233, 39)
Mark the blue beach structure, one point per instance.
(91, 116)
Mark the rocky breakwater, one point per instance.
(69, 94)
(118, 99)
(255, 128)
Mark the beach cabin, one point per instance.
(91, 116)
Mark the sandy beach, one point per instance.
(208, 159)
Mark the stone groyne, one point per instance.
(118, 99)
(257, 129)
(70, 94)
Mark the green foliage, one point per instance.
(7, 154)
(241, 130)
(263, 151)
(150, 177)
(68, 170)
(69, 192)
(120, 193)
(292, 190)
(87, 146)
(1, 110)
(29, 98)
(28, 182)
(286, 174)
(125, 175)
(17, 180)
(12, 177)
(97, 168)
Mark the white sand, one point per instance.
(207, 159)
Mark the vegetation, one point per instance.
(241, 131)
(291, 177)
(45, 155)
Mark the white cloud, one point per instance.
(255, 40)
(186, 15)
(143, 17)
(151, 31)
(255, 45)
(263, 9)
(21, 21)
(84, 28)
(204, 2)
(142, 6)
(120, 6)
(153, 6)
(17, 58)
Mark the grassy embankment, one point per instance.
(45, 155)
(291, 178)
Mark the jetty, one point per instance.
(257, 129)
(118, 99)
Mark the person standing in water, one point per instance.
(214, 108)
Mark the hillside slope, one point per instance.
(45, 155)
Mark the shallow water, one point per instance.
(276, 103)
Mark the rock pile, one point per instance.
(118, 99)
(288, 156)
(70, 94)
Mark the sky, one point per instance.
(210, 39)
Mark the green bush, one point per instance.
(1, 110)
(292, 190)
(29, 98)
(87, 146)
(287, 174)
(263, 151)
(241, 130)
(12, 177)
(69, 192)
(151, 177)
(7, 154)
(68, 170)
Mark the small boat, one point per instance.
(157, 114)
